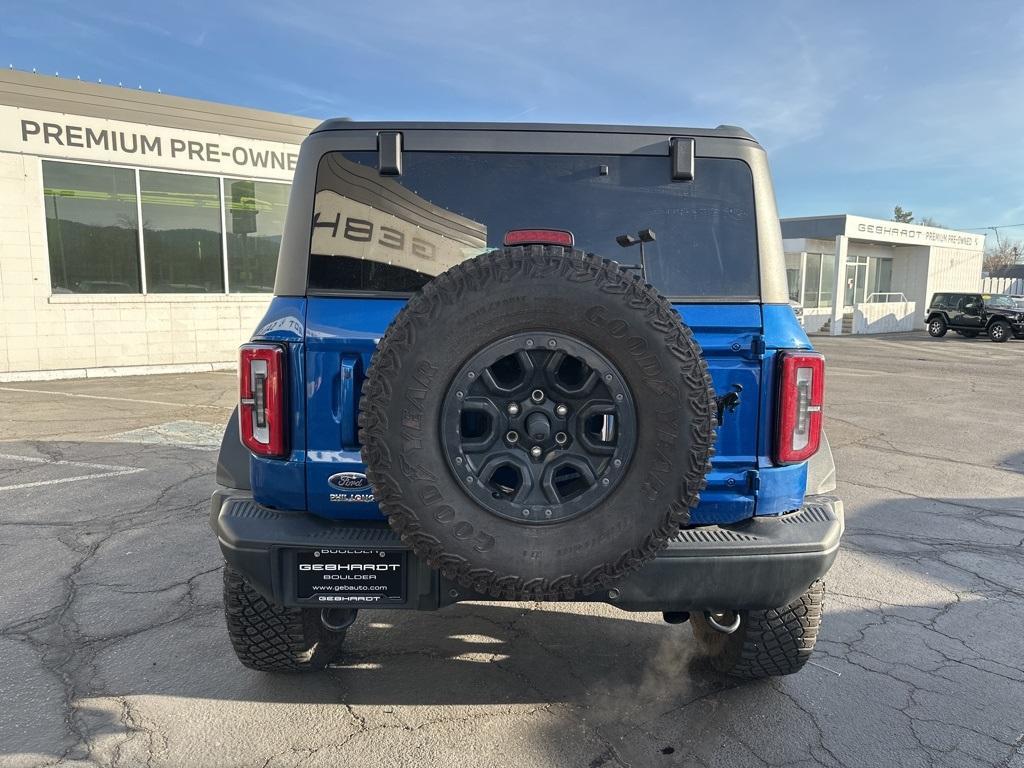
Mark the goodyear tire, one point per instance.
(768, 643)
(552, 351)
(272, 638)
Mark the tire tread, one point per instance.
(273, 638)
(476, 275)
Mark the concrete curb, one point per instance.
(110, 372)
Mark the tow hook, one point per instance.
(728, 401)
(720, 621)
(337, 619)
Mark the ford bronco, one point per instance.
(528, 362)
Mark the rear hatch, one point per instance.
(377, 237)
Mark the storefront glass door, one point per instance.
(856, 282)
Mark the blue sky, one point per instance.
(861, 105)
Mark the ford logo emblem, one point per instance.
(349, 481)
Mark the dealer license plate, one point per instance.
(351, 575)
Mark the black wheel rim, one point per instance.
(538, 427)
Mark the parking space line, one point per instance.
(59, 462)
(114, 470)
(108, 397)
(57, 481)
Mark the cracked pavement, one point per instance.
(115, 654)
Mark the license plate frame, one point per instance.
(337, 576)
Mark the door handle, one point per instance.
(351, 383)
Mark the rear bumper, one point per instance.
(759, 563)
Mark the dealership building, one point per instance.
(883, 272)
(138, 231)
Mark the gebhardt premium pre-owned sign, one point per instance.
(898, 232)
(52, 134)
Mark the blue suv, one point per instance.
(528, 362)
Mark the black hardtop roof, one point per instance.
(721, 132)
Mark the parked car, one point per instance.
(971, 314)
(456, 394)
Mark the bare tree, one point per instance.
(928, 221)
(1003, 254)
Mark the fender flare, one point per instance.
(233, 459)
(821, 470)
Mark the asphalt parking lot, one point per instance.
(114, 652)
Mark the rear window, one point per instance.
(391, 234)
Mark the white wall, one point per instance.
(40, 332)
(910, 266)
(884, 317)
(952, 269)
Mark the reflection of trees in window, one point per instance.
(181, 232)
(255, 221)
(91, 228)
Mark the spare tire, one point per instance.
(536, 423)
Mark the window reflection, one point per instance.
(254, 218)
(181, 233)
(91, 227)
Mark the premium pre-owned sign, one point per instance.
(897, 232)
(52, 134)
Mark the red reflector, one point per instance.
(539, 237)
(261, 404)
(801, 397)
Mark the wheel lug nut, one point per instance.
(536, 451)
(561, 411)
(512, 436)
(513, 409)
(537, 396)
(561, 438)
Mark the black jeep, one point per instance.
(970, 314)
(456, 394)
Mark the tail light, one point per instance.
(801, 396)
(261, 403)
(539, 237)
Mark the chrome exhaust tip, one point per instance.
(725, 622)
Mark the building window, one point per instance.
(254, 219)
(828, 279)
(92, 224)
(811, 280)
(793, 276)
(881, 275)
(181, 233)
(92, 228)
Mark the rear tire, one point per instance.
(272, 638)
(999, 331)
(937, 327)
(768, 643)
